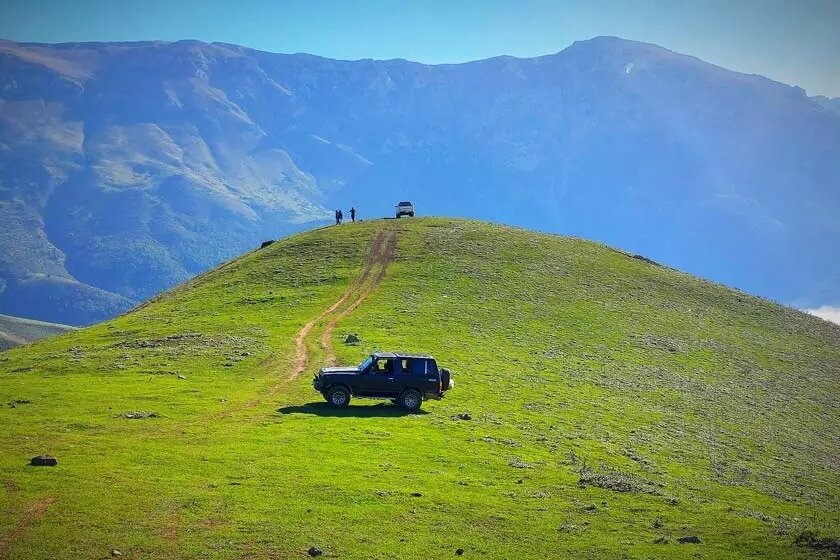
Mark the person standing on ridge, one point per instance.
(340, 216)
(352, 214)
(337, 217)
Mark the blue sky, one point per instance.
(797, 42)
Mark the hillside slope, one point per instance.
(614, 406)
(15, 331)
(126, 168)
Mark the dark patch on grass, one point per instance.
(518, 463)
(178, 339)
(324, 409)
(644, 462)
(652, 342)
(616, 480)
(811, 539)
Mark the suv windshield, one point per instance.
(365, 364)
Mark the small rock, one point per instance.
(459, 551)
(43, 461)
(660, 540)
(657, 523)
(591, 507)
(181, 376)
(115, 552)
(690, 539)
(520, 481)
(416, 494)
(352, 339)
(464, 416)
(265, 244)
(315, 551)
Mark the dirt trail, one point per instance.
(34, 512)
(382, 252)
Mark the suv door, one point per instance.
(380, 380)
(430, 377)
(420, 373)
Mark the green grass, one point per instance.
(15, 331)
(614, 404)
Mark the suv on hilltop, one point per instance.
(405, 209)
(407, 379)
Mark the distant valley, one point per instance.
(15, 331)
(126, 168)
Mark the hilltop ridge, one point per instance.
(604, 406)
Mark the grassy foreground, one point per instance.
(614, 407)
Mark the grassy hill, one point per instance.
(15, 331)
(615, 406)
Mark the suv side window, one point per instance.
(417, 366)
(384, 367)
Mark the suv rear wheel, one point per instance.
(338, 397)
(410, 399)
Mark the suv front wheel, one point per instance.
(338, 397)
(410, 399)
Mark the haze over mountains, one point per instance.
(128, 167)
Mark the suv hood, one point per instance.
(341, 369)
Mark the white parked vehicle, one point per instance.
(405, 209)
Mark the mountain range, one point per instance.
(126, 168)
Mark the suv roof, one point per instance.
(401, 355)
(404, 203)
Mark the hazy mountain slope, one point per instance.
(614, 407)
(124, 173)
(130, 167)
(15, 331)
(830, 103)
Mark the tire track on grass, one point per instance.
(33, 513)
(381, 256)
(382, 253)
